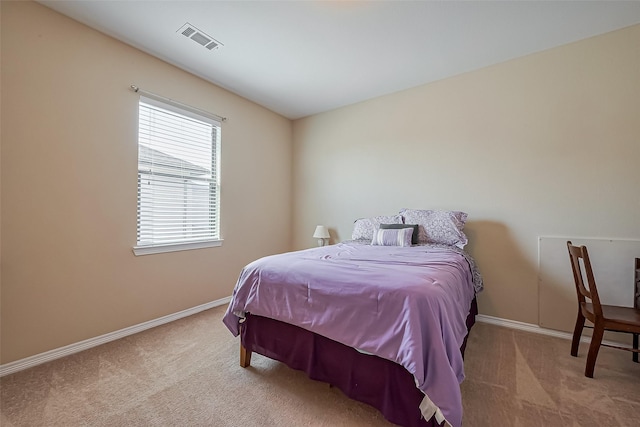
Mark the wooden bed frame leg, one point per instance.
(245, 357)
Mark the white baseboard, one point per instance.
(57, 353)
(38, 359)
(529, 327)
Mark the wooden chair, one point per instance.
(603, 317)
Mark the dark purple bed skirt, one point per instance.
(391, 390)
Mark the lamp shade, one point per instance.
(321, 232)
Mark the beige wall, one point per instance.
(547, 144)
(506, 144)
(69, 163)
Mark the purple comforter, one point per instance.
(405, 304)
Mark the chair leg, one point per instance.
(577, 333)
(594, 347)
(635, 346)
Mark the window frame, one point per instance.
(196, 114)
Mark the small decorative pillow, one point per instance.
(364, 228)
(414, 227)
(395, 237)
(435, 226)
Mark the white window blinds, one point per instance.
(178, 179)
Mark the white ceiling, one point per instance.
(299, 58)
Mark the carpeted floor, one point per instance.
(186, 373)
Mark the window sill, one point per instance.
(175, 247)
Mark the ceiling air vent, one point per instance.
(199, 37)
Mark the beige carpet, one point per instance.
(186, 374)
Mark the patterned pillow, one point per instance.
(364, 228)
(414, 227)
(435, 226)
(392, 237)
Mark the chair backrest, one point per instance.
(588, 290)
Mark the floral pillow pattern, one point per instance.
(436, 226)
(364, 228)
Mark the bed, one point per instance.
(401, 306)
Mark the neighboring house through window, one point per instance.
(178, 179)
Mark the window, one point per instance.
(178, 179)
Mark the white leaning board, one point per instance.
(612, 261)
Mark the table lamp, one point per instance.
(321, 233)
